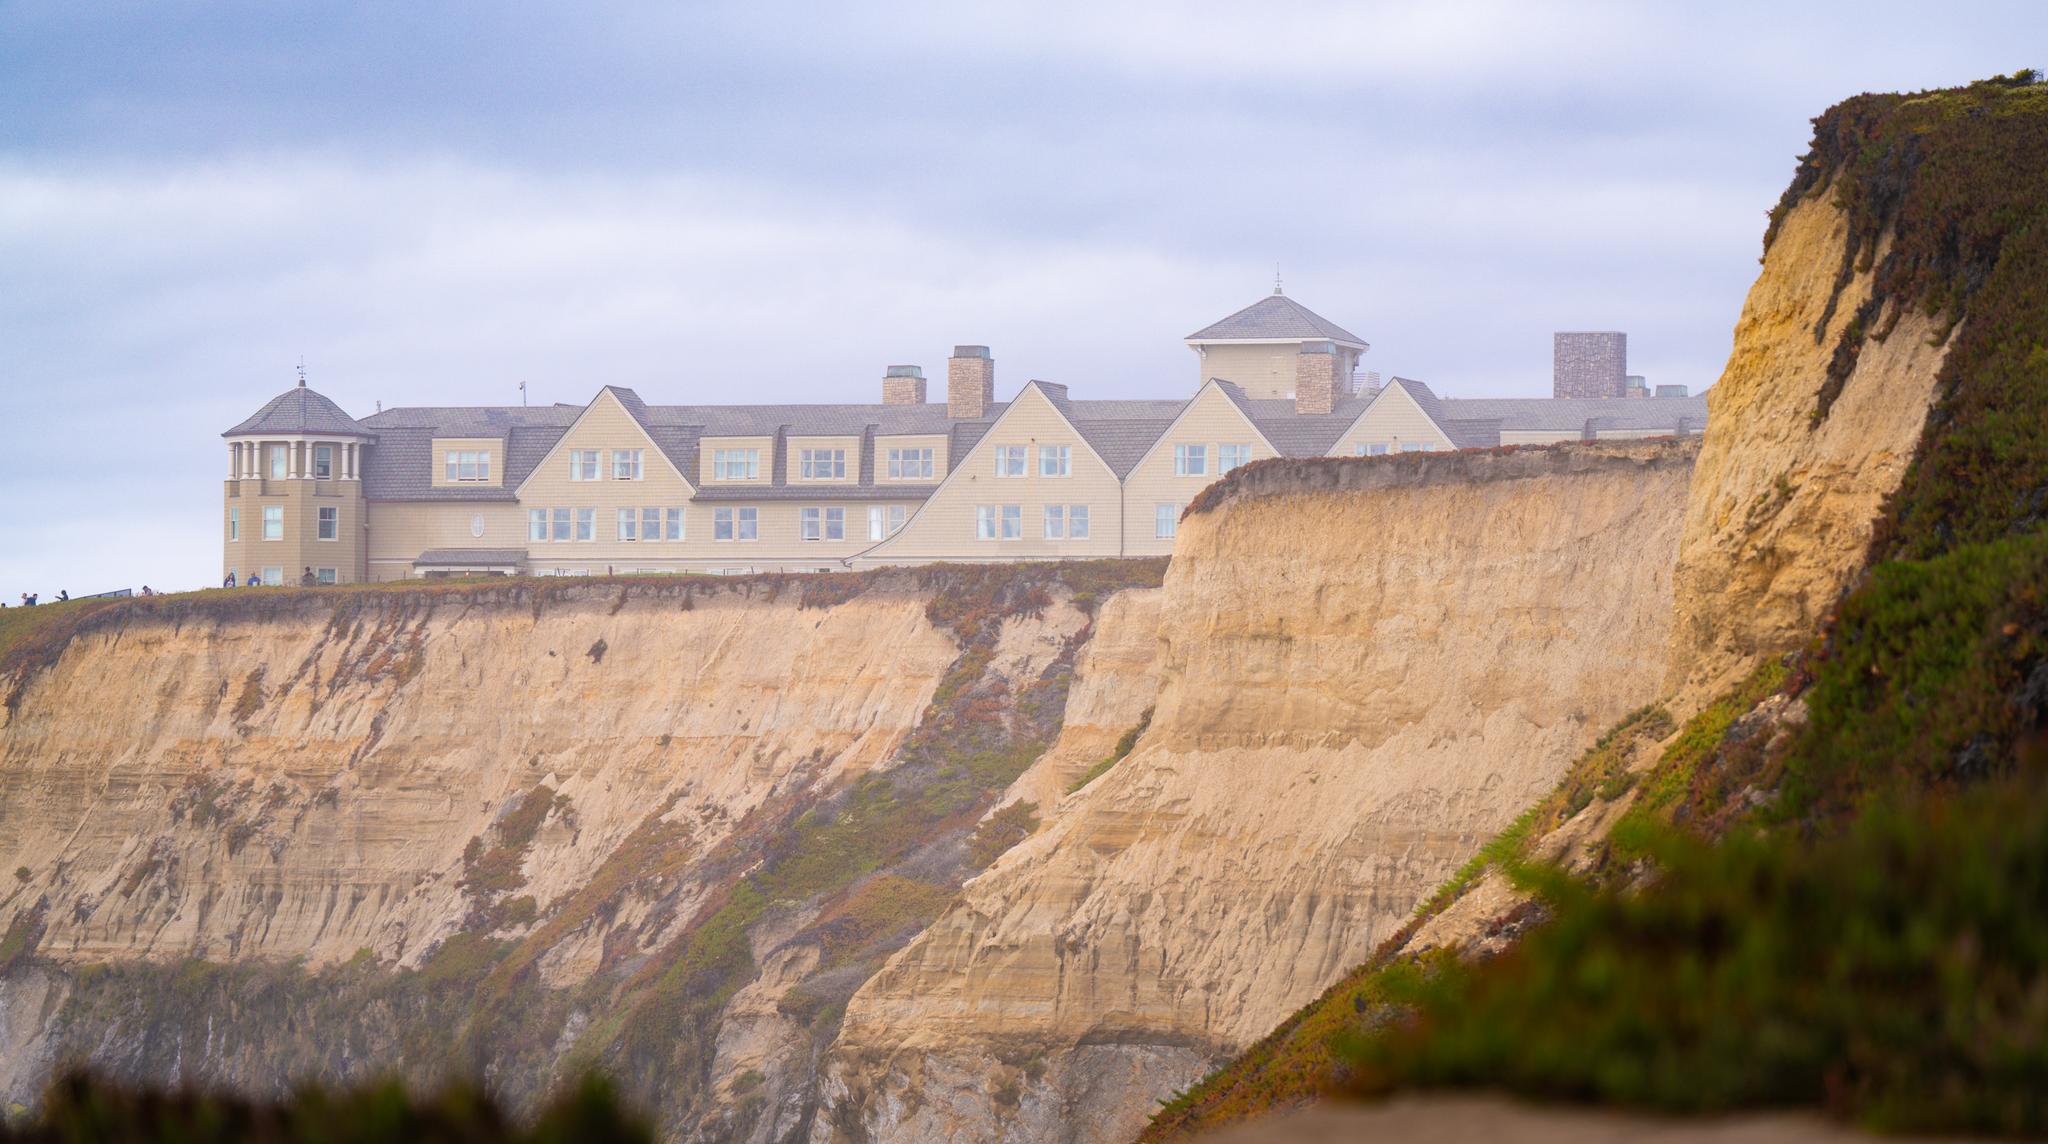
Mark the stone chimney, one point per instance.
(970, 383)
(1315, 378)
(903, 385)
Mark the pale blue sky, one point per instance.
(433, 202)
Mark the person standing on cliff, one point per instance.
(307, 579)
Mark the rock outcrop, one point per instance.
(1365, 670)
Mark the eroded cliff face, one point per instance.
(665, 828)
(1782, 507)
(1364, 670)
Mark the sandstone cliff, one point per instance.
(1364, 670)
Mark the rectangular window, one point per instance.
(1055, 522)
(324, 575)
(586, 524)
(1055, 460)
(750, 523)
(1013, 522)
(1009, 460)
(721, 524)
(273, 522)
(583, 464)
(278, 462)
(650, 524)
(330, 523)
(736, 464)
(984, 522)
(1191, 460)
(466, 465)
(910, 464)
(626, 464)
(536, 524)
(821, 524)
(1418, 447)
(1077, 522)
(629, 521)
(234, 524)
(1229, 457)
(1374, 449)
(562, 524)
(877, 522)
(273, 577)
(1165, 521)
(897, 515)
(323, 462)
(821, 465)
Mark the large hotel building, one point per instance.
(622, 486)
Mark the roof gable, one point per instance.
(1215, 390)
(630, 404)
(1276, 318)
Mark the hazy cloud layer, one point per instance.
(432, 203)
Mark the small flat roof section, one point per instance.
(470, 558)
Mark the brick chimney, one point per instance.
(970, 383)
(1315, 378)
(903, 385)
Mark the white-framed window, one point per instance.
(323, 462)
(750, 523)
(1418, 447)
(466, 465)
(1077, 522)
(1229, 457)
(324, 576)
(821, 524)
(673, 524)
(884, 520)
(1055, 460)
(910, 464)
(279, 461)
(629, 524)
(583, 464)
(1055, 522)
(984, 522)
(721, 524)
(1165, 520)
(821, 465)
(586, 524)
(1009, 460)
(1013, 522)
(627, 464)
(273, 577)
(273, 522)
(1191, 460)
(234, 524)
(1369, 449)
(536, 524)
(330, 523)
(735, 464)
(650, 524)
(562, 524)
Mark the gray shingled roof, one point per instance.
(1277, 317)
(1570, 414)
(300, 410)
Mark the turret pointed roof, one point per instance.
(1275, 318)
(301, 410)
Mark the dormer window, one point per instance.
(467, 465)
(626, 464)
(736, 464)
(821, 465)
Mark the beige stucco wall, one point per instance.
(446, 445)
(1266, 369)
(1393, 419)
(400, 530)
(1211, 420)
(300, 548)
(944, 529)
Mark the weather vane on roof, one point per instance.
(302, 371)
(1276, 278)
